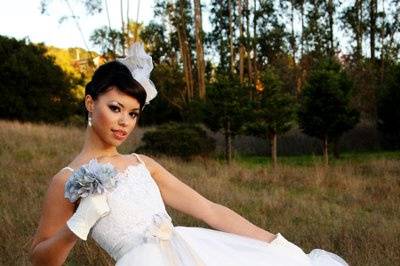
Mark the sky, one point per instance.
(22, 18)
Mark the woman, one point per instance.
(130, 221)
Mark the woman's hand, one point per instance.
(282, 243)
(90, 209)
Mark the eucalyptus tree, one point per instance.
(199, 49)
(179, 17)
(316, 36)
(353, 22)
(271, 34)
(221, 37)
(373, 10)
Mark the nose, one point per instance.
(123, 120)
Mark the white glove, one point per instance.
(90, 209)
(281, 242)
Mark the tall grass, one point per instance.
(351, 208)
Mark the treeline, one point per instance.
(268, 66)
(273, 65)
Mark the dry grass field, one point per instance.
(351, 208)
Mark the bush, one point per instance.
(389, 110)
(33, 87)
(182, 140)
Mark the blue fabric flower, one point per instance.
(90, 178)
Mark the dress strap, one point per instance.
(68, 168)
(137, 156)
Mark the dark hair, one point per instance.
(116, 74)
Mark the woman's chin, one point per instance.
(117, 142)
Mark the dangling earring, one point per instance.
(89, 121)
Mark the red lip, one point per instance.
(122, 132)
(119, 134)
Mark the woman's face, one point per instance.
(114, 115)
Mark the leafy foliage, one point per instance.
(154, 35)
(227, 102)
(325, 110)
(274, 109)
(110, 41)
(76, 63)
(389, 110)
(33, 87)
(183, 140)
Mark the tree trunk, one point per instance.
(255, 70)
(273, 147)
(199, 50)
(135, 34)
(382, 37)
(293, 37)
(241, 46)
(228, 142)
(372, 26)
(184, 48)
(122, 28)
(302, 30)
(249, 66)
(359, 30)
(232, 56)
(330, 15)
(127, 41)
(108, 15)
(326, 156)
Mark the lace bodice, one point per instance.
(136, 206)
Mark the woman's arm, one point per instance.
(53, 240)
(180, 196)
(227, 220)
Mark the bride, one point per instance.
(128, 219)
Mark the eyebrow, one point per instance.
(123, 105)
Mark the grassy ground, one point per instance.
(351, 207)
(309, 160)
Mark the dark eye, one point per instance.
(134, 114)
(114, 108)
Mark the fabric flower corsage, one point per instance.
(161, 227)
(90, 178)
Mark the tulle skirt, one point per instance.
(196, 246)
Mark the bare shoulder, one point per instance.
(55, 208)
(151, 164)
(55, 191)
(57, 182)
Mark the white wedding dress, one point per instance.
(139, 232)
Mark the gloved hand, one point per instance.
(281, 242)
(90, 209)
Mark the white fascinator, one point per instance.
(140, 64)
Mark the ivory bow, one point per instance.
(164, 231)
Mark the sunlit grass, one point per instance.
(309, 160)
(351, 207)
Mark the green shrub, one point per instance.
(33, 87)
(182, 140)
(389, 111)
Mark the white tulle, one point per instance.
(140, 64)
(322, 257)
(138, 231)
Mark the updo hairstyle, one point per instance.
(115, 74)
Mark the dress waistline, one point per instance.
(174, 248)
